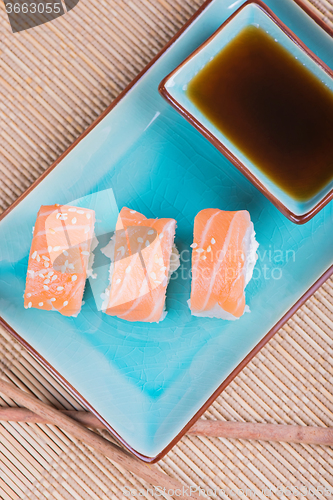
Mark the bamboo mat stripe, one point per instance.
(54, 81)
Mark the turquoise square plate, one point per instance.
(149, 382)
(174, 89)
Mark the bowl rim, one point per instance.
(296, 218)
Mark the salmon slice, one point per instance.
(59, 258)
(140, 267)
(223, 259)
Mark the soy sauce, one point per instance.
(272, 108)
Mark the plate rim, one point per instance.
(150, 460)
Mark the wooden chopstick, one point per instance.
(149, 473)
(211, 428)
(264, 432)
(15, 414)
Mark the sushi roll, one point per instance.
(143, 256)
(223, 259)
(60, 259)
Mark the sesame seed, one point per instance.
(194, 245)
(41, 304)
(51, 273)
(57, 216)
(38, 258)
(41, 275)
(199, 250)
(209, 249)
(31, 272)
(153, 275)
(84, 253)
(80, 212)
(147, 243)
(87, 229)
(151, 231)
(72, 210)
(213, 241)
(65, 253)
(88, 216)
(157, 282)
(29, 305)
(45, 287)
(56, 249)
(45, 258)
(74, 220)
(204, 257)
(74, 277)
(163, 268)
(28, 295)
(161, 236)
(161, 261)
(70, 266)
(66, 303)
(242, 256)
(118, 281)
(25, 307)
(59, 288)
(53, 299)
(46, 282)
(49, 249)
(121, 250)
(54, 277)
(133, 211)
(140, 240)
(34, 255)
(46, 264)
(128, 269)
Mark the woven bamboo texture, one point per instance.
(54, 81)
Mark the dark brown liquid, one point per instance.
(272, 108)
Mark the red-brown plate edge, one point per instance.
(254, 351)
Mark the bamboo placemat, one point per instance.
(54, 81)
